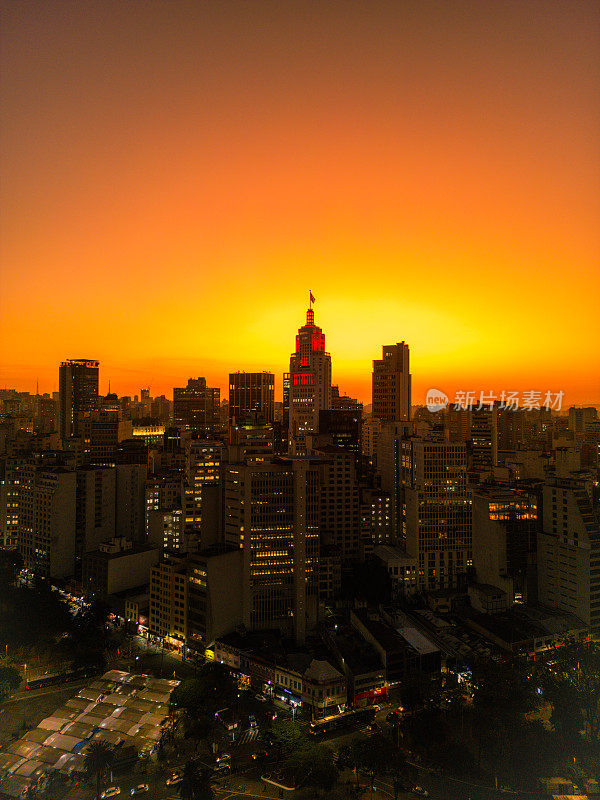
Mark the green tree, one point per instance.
(197, 783)
(212, 688)
(10, 679)
(578, 681)
(289, 736)
(11, 563)
(375, 755)
(313, 766)
(98, 760)
(504, 692)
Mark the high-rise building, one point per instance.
(145, 403)
(163, 492)
(251, 397)
(310, 383)
(95, 510)
(78, 393)
(168, 601)
(392, 384)
(569, 551)
(343, 402)
(578, 417)
(272, 515)
(505, 541)
(100, 433)
(196, 406)
(339, 502)
(203, 461)
(47, 523)
(437, 510)
(484, 438)
(376, 516)
(214, 608)
(130, 517)
(341, 428)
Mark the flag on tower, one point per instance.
(312, 297)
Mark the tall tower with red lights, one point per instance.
(310, 383)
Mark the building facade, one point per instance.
(77, 393)
(310, 384)
(392, 384)
(251, 397)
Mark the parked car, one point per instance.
(175, 778)
(223, 758)
(222, 769)
(252, 721)
(142, 788)
(110, 792)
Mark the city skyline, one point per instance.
(431, 172)
(462, 393)
(472, 387)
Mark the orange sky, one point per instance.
(176, 176)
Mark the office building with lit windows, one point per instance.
(272, 515)
(310, 383)
(77, 394)
(569, 551)
(392, 384)
(437, 510)
(168, 602)
(251, 397)
(505, 541)
(197, 406)
(202, 469)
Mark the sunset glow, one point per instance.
(175, 181)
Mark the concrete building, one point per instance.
(402, 569)
(392, 384)
(202, 470)
(116, 566)
(167, 531)
(569, 552)
(251, 397)
(47, 520)
(310, 384)
(95, 510)
(437, 515)
(99, 431)
(197, 406)
(168, 602)
(330, 572)
(301, 679)
(130, 518)
(272, 515)
(371, 428)
(505, 541)
(579, 418)
(78, 393)
(214, 597)
(339, 501)
(341, 428)
(484, 439)
(163, 492)
(376, 516)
